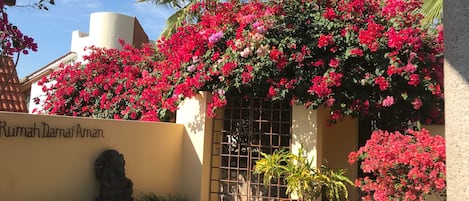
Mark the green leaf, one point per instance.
(432, 10)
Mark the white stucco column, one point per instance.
(306, 129)
(196, 146)
(456, 28)
(325, 143)
(106, 28)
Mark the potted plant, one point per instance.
(302, 177)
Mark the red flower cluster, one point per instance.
(111, 84)
(406, 166)
(12, 40)
(369, 57)
(369, 36)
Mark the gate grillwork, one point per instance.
(246, 127)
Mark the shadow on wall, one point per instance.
(196, 146)
(305, 130)
(192, 167)
(307, 138)
(197, 125)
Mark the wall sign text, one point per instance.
(44, 130)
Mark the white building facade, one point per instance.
(105, 30)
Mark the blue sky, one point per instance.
(52, 29)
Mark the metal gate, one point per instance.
(244, 128)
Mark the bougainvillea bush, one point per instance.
(113, 84)
(404, 166)
(12, 40)
(357, 57)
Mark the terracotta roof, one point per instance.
(11, 98)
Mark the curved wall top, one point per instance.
(107, 28)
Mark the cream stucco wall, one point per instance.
(456, 70)
(78, 43)
(197, 146)
(435, 129)
(338, 141)
(105, 30)
(306, 129)
(328, 145)
(57, 169)
(161, 157)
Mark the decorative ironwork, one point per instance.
(246, 127)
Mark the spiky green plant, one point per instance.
(302, 177)
(432, 10)
(334, 182)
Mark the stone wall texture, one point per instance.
(456, 25)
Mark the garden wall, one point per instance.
(51, 158)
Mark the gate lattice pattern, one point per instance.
(242, 130)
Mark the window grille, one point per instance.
(243, 129)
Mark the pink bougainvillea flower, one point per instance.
(405, 166)
(330, 14)
(330, 101)
(12, 40)
(215, 37)
(325, 40)
(334, 63)
(357, 52)
(417, 103)
(388, 101)
(382, 83)
(414, 80)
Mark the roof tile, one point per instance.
(11, 98)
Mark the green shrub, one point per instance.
(302, 177)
